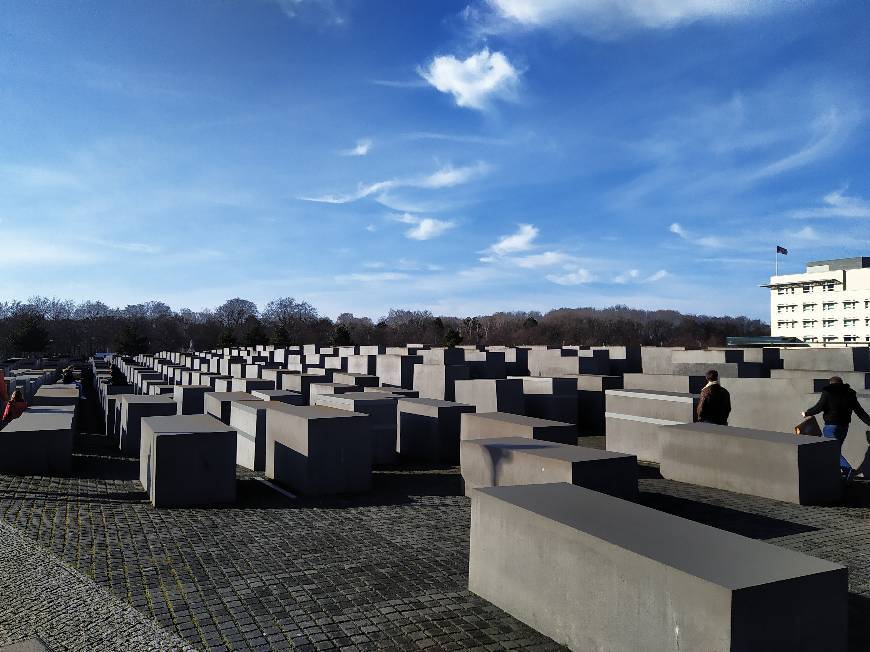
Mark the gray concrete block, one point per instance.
(250, 384)
(665, 383)
(594, 572)
(56, 395)
(671, 406)
(437, 381)
(491, 395)
(833, 359)
(318, 449)
(39, 442)
(636, 435)
(248, 419)
(301, 383)
(428, 429)
(797, 469)
(382, 412)
(397, 370)
(359, 380)
(190, 398)
(132, 409)
(485, 425)
(218, 404)
(187, 460)
(280, 395)
(518, 460)
(550, 398)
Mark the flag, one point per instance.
(781, 250)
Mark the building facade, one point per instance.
(829, 303)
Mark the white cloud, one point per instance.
(836, 204)
(625, 277)
(544, 259)
(445, 177)
(657, 276)
(361, 149)
(476, 81)
(424, 228)
(577, 277)
(520, 241)
(705, 241)
(634, 276)
(609, 18)
(678, 229)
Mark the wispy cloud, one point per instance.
(424, 228)
(476, 81)
(444, 177)
(515, 242)
(578, 276)
(544, 259)
(361, 148)
(634, 276)
(613, 18)
(836, 204)
(705, 241)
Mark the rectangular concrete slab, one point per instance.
(187, 460)
(517, 460)
(595, 572)
(797, 469)
(318, 449)
(484, 425)
(428, 429)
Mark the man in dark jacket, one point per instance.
(715, 403)
(836, 405)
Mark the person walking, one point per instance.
(14, 407)
(714, 405)
(836, 404)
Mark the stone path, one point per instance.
(387, 570)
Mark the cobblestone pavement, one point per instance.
(41, 596)
(387, 570)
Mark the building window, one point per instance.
(828, 287)
(850, 338)
(809, 323)
(867, 305)
(829, 323)
(850, 322)
(829, 306)
(808, 289)
(782, 324)
(809, 307)
(816, 339)
(850, 305)
(829, 338)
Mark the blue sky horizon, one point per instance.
(460, 157)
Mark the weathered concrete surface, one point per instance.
(665, 383)
(516, 460)
(280, 395)
(797, 469)
(591, 404)
(56, 395)
(190, 398)
(318, 449)
(217, 404)
(636, 435)
(485, 425)
(132, 408)
(248, 419)
(438, 381)
(39, 442)
(840, 359)
(489, 395)
(550, 398)
(397, 370)
(540, 552)
(671, 406)
(382, 419)
(428, 429)
(187, 460)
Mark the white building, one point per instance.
(828, 303)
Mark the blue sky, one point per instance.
(462, 157)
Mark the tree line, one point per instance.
(51, 326)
